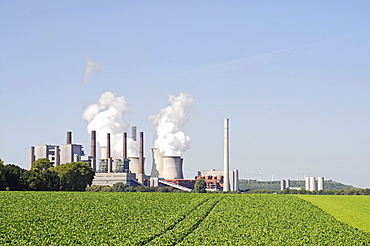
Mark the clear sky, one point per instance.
(292, 76)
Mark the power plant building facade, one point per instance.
(166, 170)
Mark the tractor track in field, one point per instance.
(173, 225)
(200, 221)
(177, 232)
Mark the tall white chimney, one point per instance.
(226, 155)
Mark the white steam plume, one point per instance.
(90, 66)
(169, 122)
(106, 116)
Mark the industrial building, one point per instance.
(215, 179)
(312, 185)
(166, 170)
(59, 154)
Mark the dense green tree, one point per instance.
(74, 176)
(119, 187)
(200, 186)
(41, 177)
(14, 176)
(41, 164)
(3, 183)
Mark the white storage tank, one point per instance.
(312, 184)
(307, 183)
(320, 183)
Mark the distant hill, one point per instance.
(275, 185)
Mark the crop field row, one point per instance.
(353, 210)
(84, 218)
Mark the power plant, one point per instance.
(167, 170)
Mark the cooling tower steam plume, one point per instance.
(169, 122)
(106, 116)
(90, 66)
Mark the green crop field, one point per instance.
(89, 218)
(353, 210)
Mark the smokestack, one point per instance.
(141, 158)
(93, 144)
(124, 151)
(108, 156)
(226, 155)
(108, 146)
(69, 137)
(32, 159)
(134, 133)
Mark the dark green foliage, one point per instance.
(74, 176)
(119, 187)
(96, 188)
(12, 177)
(107, 189)
(200, 186)
(41, 177)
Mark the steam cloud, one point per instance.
(90, 66)
(106, 116)
(170, 139)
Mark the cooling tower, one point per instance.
(103, 151)
(312, 184)
(172, 167)
(157, 167)
(320, 183)
(134, 164)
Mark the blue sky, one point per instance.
(292, 76)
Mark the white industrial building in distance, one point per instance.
(310, 183)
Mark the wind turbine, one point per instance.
(297, 174)
(248, 173)
(191, 174)
(260, 174)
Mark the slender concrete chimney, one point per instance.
(226, 155)
(93, 150)
(93, 144)
(134, 133)
(124, 151)
(108, 156)
(108, 146)
(141, 159)
(32, 156)
(69, 137)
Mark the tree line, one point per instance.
(43, 176)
